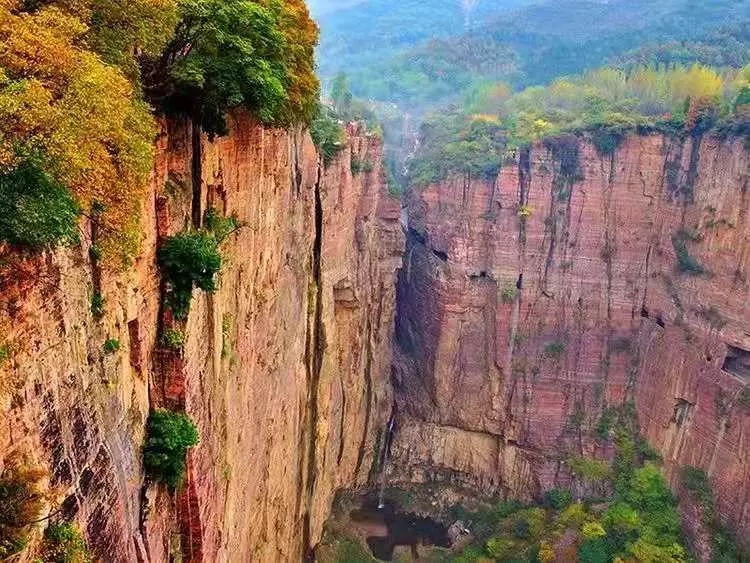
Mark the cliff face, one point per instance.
(284, 367)
(572, 282)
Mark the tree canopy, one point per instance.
(76, 81)
(472, 138)
(238, 53)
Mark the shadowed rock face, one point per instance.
(284, 368)
(572, 282)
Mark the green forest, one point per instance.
(420, 57)
(606, 103)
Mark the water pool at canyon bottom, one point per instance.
(386, 528)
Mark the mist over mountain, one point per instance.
(359, 34)
(427, 54)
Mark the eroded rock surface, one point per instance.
(284, 368)
(529, 303)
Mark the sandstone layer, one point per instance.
(284, 368)
(529, 302)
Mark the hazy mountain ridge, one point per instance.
(421, 55)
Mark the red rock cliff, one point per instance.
(528, 303)
(284, 368)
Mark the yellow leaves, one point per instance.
(103, 142)
(546, 552)
(574, 515)
(531, 127)
(301, 35)
(676, 85)
(593, 530)
(39, 45)
(486, 118)
(121, 28)
(646, 552)
(699, 82)
(524, 212)
(26, 110)
(82, 116)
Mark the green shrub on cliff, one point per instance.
(111, 345)
(38, 212)
(169, 435)
(63, 543)
(359, 166)
(220, 226)
(686, 263)
(191, 259)
(97, 305)
(327, 133)
(187, 260)
(173, 339)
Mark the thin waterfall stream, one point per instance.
(385, 456)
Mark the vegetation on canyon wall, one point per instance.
(63, 543)
(606, 102)
(191, 259)
(21, 501)
(169, 435)
(726, 549)
(76, 81)
(327, 127)
(327, 133)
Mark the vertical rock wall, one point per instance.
(530, 302)
(284, 368)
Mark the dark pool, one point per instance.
(398, 529)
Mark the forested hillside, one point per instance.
(420, 54)
(605, 104)
(367, 34)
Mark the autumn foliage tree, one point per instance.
(76, 77)
(79, 120)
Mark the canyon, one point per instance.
(281, 369)
(494, 324)
(573, 281)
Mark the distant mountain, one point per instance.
(358, 34)
(422, 54)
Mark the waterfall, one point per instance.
(385, 455)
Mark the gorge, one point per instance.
(525, 306)
(492, 310)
